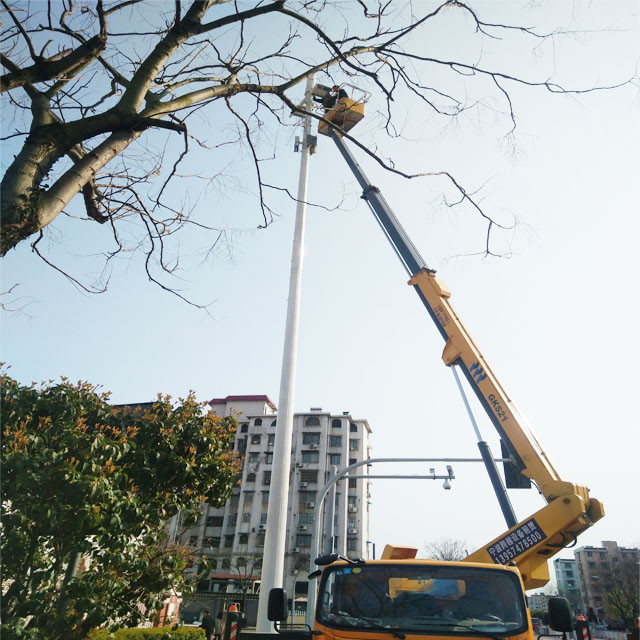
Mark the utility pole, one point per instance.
(275, 538)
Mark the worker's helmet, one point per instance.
(232, 607)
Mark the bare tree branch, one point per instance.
(100, 98)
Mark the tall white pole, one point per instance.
(275, 538)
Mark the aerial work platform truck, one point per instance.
(482, 596)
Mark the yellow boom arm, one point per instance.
(570, 510)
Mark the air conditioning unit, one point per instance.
(302, 527)
(295, 550)
(352, 530)
(298, 465)
(262, 527)
(313, 445)
(311, 505)
(303, 485)
(353, 508)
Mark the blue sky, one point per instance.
(557, 320)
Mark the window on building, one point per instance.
(334, 458)
(263, 517)
(352, 544)
(307, 497)
(226, 563)
(269, 457)
(310, 438)
(215, 542)
(335, 441)
(571, 583)
(251, 477)
(244, 428)
(232, 520)
(260, 540)
(271, 438)
(303, 540)
(255, 439)
(193, 541)
(309, 475)
(208, 542)
(266, 477)
(352, 461)
(258, 422)
(592, 565)
(336, 424)
(213, 563)
(228, 540)
(351, 523)
(253, 457)
(214, 521)
(353, 428)
(589, 554)
(273, 424)
(305, 518)
(310, 456)
(203, 586)
(248, 497)
(603, 555)
(246, 517)
(312, 421)
(353, 483)
(265, 497)
(354, 445)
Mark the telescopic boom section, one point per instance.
(570, 510)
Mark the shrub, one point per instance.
(150, 633)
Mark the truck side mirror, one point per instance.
(277, 610)
(560, 615)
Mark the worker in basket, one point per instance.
(336, 93)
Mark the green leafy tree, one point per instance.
(87, 492)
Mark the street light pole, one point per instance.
(275, 537)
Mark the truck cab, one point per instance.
(419, 597)
(414, 598)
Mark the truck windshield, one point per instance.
(428, 599)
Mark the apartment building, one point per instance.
(601, 569)
(232, 537)
(538, 601)
(566, 572)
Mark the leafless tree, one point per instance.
(447, 549)
(621, 581)
(246, 571)
(100, 97)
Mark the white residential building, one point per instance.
(232, 537)
(567, 580)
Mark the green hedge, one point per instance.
(151, 633)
